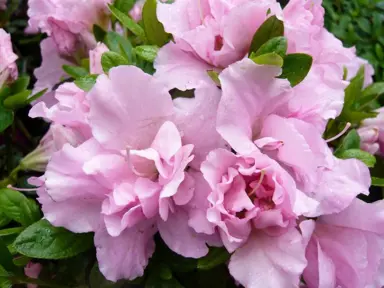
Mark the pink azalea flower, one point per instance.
(371, 133)
(71, 109)
(50, 71)
(3, 4)
(137, 10)
(346, 249)
(68, 22)
(52, 142)
(95, 58)
(209, 35)
(32, 270)
(251, 118)
(8, 68)
(133, 178)
(320, 96)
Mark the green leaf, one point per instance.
(214, 76)
(215, 257)
(374, 89)
(350, 141)
(6, 259)
(4, 220)
(11, 231)
(86, 83)
(18, 207)
(18, 100)
(21, 261)
(19, 85)
(124, 5)
(353, 91)
(277, 45)
(128, 22)
(3, 272)
(147, 52)
(5, 283)
(364, 25)
(112, 59)
(271, 28)
(99, 33)
(377, 182)
(268, 59)
(363, 156)
(120, 45)
(153, 28)
(41, 240)
(356, 117)
(75, 71)
(296, 67)
(6, 118)
(36, 96)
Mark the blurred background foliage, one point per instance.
(359, 23)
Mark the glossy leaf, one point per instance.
(363, 156)
(154, 30)
(112, 59)
(296, 67)
(147, 52)
(277, 45)
(41, 240)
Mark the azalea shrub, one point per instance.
(187, 143)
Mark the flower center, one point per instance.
(218, 43)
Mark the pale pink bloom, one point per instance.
(68, 22)
(32, 270)
(250, 192)
(71, 109)
(95, 58)
(251, 118)
(50, 71)
(320, 96)
(371, 133)
(132, 178)
(52, 142)
(346, 249)
(270, 261)
(8, 68)
(209, 35)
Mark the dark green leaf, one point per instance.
(5, 283)
(86, 83)
(124, 5)
(353, 91)
(18, 100)
(374, 89)
(215, 257)
(364, 25)
(112, 59)
(350, 141)
(128, 22)
(268, 59)
(277, 45)
(6, 259)
(6, 118)
(296, 67)
(271, 28)
(4, 220)
(154, 30)
(120, 45)
(11, 231)
(21, 261)
(377, 181)
(37, 95)
(356, 117)
(18, 207)
(147, 52)
(99, 33)
(43, 241)
(19, 85)
(214, 76)
(75, 71)
(363, 156)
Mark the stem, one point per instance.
(12, 178)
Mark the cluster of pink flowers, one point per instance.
(243, 165)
